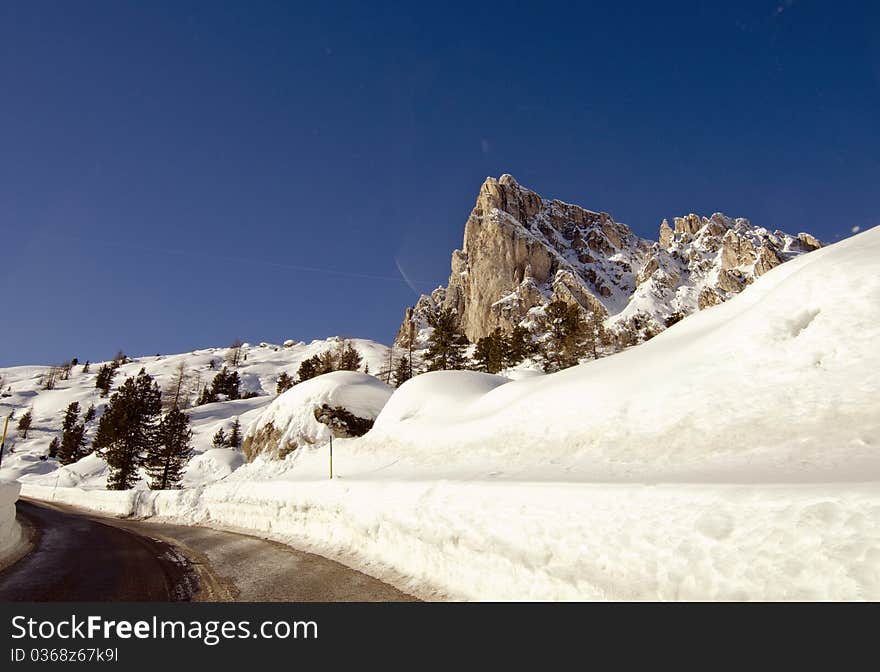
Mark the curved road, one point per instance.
(83, 556)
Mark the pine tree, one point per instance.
(89, 414)
(233, 383)
(565, 335)
(518, 346)
(284, 383)
(168, 455)
(308, 368)
(403, 371)
(127, 429)
(348, 359)
(71, 415)
(226, 383)
(206, 397)
(490, 352)
(53, 447)
(446, 343)
(104, 379)
(24, 424)
(234, 440)
(73, 441)
(220, 440)
(86, 366)
(326, 362)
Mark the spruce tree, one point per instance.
(326, 362)
(53, 447)
(104, 379)
(446, 344)
(127, 429)
(24, 424)
(518, 346)
(565, 335)
(308, 368)
(403, 371)
(226, 383)
(168, 455)
(220, 440)
(234, 440)
(348, 359)
(73, 441)
(206, 397)
(284, 383)
(71, 415)
(89, 414)
(490, 352)
(86, 366)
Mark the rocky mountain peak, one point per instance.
(521, 251)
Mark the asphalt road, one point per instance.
(82, 556)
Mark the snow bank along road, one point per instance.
(82, 556)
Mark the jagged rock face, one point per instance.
(521, 251)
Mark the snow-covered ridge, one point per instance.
(521, 251)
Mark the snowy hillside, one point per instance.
(734, 456)
(22, 389)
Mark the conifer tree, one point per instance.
(226, 383)
(127, 429)
(518, 346)
(24, 424)
(104, 379)
(234, 354)
(220, 439)
(206, 397)
(234, 440)
(403, 371)
(73, 441)
(566, 333)
(490, 352)
(86, 366)
(53, 447)
(168, 455)
(446, 344)
(178, 394)
(284, 383)
(89, 414)
(71, 415)
(308, 368)
(326, 362)
(348, 359)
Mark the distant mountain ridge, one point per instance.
(521, 251)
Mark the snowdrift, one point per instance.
(10, 532)
(780, 383)
(289, 422)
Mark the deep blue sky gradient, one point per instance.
(176, 174)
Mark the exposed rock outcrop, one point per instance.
(521, 251)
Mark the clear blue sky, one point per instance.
(170, 171)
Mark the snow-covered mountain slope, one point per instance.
(734, 456)
(261, 364)
(521, 251)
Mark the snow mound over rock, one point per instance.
(10, 533)
(289, 422)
